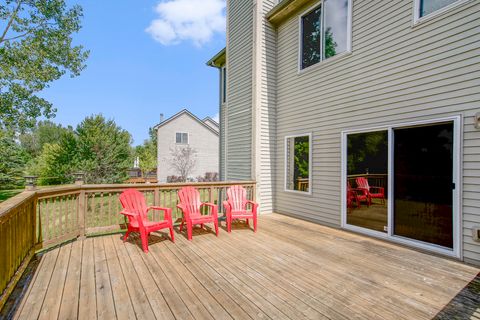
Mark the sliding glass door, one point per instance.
(423, 182)
(400, 183)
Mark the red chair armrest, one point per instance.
(381, 189)
(211, 205)
(208, 204)
(167, 211)
(126, 213)
(254, 205)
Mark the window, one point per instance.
(429, 6)
(224, 84)
(325, 32)
(298, 163)
(181, 137)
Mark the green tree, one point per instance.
(147, 155)
(35, 49)
(103, 150)
(301, 157)
(44, 132)
(57, 160)
(13, 161)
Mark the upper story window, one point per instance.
(325, 31)
(224, 84)
(181, 137)
(430, 6)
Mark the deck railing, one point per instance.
(38, 219)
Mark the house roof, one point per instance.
(219, 59)
(185, 111)
(284, 9)
(211, 120)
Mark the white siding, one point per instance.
(239, 89)
(200, 138)
(397, 72)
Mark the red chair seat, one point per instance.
(135, 209)
(236, 207)
(190, 205)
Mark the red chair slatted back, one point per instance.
(133, 201)
(190, 200)
(237, 197)
(362, 183)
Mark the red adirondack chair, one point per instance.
(373, 192)
(135, 209)
(190, 205)
(356, 196)
(236, 207)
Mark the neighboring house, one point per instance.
(321, 94)
(185, 129)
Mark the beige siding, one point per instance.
(222, 118)
(239, 89)
(266, 110)
(203, 140)
(397, 72)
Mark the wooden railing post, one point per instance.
(81, 214)
(156, 196)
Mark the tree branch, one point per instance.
(12, 18)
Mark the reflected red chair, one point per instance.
(191, 205)
(236, 207)
(372, 191)
(356, 196)
(135, 209)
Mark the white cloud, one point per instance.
(187, 20)
(216, 117)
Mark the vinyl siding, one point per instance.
(266, 109)
(396, 73)
(239, 89)
(201, 139)
(222, 136)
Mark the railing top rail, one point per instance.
(13, 202)
(164, 185)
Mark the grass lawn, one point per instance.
(5, 194)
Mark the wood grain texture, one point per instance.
(289, 269)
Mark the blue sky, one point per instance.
(146, 57)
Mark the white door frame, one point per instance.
(457, 179)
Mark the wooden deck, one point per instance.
(290, 269)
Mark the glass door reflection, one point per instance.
(367, 180)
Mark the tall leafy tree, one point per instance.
(44, 132)
(147, 156)
(36, 48)
(103, 150)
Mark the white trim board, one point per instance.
(310, 165)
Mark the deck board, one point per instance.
(289, 269)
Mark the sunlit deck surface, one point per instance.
(290, 269)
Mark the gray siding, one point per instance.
(222, 118)
(266, 110)
(239, 89)
(397, 72)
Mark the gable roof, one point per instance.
(211, 120)
(219, 59)
(185, 111)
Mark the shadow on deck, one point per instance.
(290, 269)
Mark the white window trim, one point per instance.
(322, 61)
(416, 11)
(457, 251)
(182, 132)
(310, 157)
